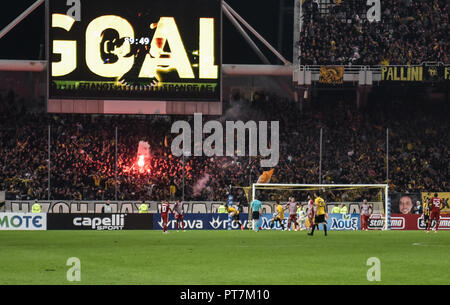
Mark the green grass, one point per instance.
(224, 257)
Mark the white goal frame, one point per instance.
(332, 186)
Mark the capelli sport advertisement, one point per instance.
(163, 50)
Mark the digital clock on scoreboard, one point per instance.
(157, 50)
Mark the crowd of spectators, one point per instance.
(409, 32)
(83, 167)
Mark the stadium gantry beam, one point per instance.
(228, 8)
(21, 17)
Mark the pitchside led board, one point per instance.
(134, 50)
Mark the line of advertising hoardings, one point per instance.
(116, 221)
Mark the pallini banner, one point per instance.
(332, 75)
(443, 195)
(423, 73)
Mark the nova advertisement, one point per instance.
(23, 221)
(141, 50)
(222, 222)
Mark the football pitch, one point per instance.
(224, 257)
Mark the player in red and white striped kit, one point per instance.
(292, 206)
(165, 209)
(366, 210)
(179, 214)
(436, 204)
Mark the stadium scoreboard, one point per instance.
(135, 53)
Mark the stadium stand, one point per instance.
(82, 151)
(410, 32)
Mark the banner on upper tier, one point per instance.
(333, 75)
(423, 73)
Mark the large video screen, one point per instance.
(157, 50)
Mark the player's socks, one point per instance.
(325, 229)
(312, 231)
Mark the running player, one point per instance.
(426, 212)
(179, 214)
(233, 216)
(366, 211)
(310, 212)
(278, 216)
(165, 209)
(292, 205)
(320, 214)
(436, 204)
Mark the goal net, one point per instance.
(335, 195)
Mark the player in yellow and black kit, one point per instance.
(278, 216)
(233, 213)
(321, 215)
(426, 212)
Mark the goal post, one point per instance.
(358, 191)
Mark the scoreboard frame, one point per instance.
(170, 67)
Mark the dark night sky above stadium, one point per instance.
(24, 41)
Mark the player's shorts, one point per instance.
(236, 217)
(320, 219)
(293, 217)
(179, 217)
(165, 218)
(436, 214)
(277, 218)
(255, 215)
(426, 218)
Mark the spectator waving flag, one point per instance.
(265, 176)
